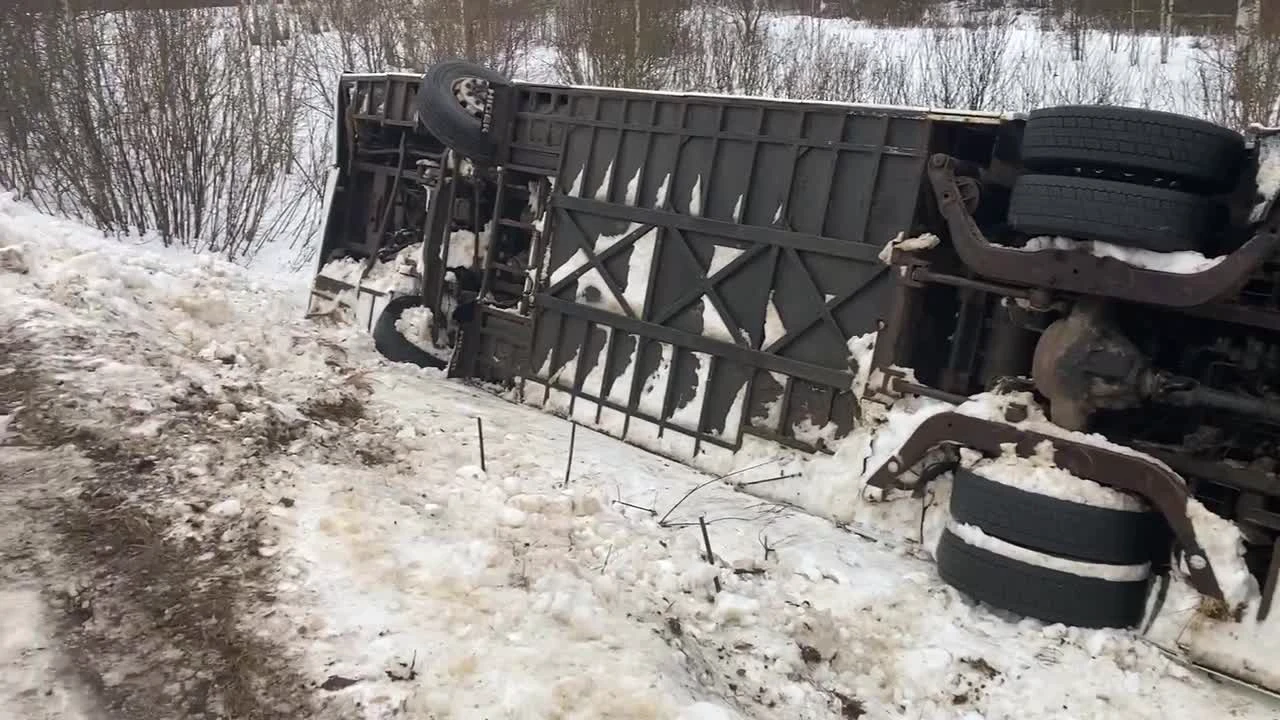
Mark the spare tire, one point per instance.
(1135, 216)
(451, 102)
(392, 344)
(1206, 156)
(1055, 526)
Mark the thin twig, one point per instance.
(663, 521)
(788, 476)
(711, 558)
(480, 431)
(764, 542)
(651, 511)
(696, 488)
(568, 468)
(927, 501)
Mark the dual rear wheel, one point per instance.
(1083, 561)
(1135, 178)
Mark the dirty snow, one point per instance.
(1185, 262)
(466, 248)
(34, 681)
(902, 242)
(393, 275)
(862, 350)
(1247, 649)
(395, 578)
(12, 260)
(973, 535)
(345, 270)
(1268, 178)
(1224, 547)
(415, 325)
(1039, 474)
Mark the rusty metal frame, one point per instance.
(1083, 273)
(1159, 485)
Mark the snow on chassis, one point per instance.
(1072, 316)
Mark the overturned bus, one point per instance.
(1070, 317)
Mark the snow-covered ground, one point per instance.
(211, 506)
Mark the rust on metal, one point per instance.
(1160, 486)
(920, 273)
(1081, 272)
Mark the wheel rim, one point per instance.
(471, 93)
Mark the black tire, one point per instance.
(393, 345)
(1048, 595)
(1057, 527)
(1134, 216)
(1207, 156)
(443, 116)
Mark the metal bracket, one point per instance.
(1081, 272)
(1161, 487)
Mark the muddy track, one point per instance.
(148, 618)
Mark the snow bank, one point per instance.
(1230, 641)
(1185, 262)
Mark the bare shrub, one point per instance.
(628, 43)
(168, 122)
(813, 62)
(1234, 88)
(964, 65)
(734, 43)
